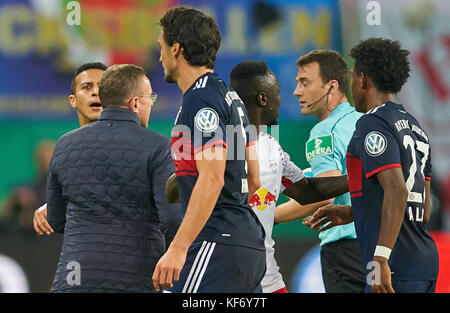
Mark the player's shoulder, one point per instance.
(154, 136)
(72, 138)
(387, 111)
(378, 115)
(268, 139)
(74, 134)
(205, 87)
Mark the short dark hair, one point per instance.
(242, 74)
(248, 70)
(384, 61)
(331, 66)
(85, 67)
(118, 82)
(197, 33)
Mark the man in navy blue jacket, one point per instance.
(104, 192)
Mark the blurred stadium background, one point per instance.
(39, 51)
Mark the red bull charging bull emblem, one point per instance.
(262, 198)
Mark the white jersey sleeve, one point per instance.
(291, 172)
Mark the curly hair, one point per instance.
(197, 34)
(384, 61)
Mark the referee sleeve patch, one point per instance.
(319, 146)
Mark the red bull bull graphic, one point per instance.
(262, 198)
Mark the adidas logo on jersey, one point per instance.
(201, 83)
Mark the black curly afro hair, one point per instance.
(384, 61)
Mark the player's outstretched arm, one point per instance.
(333, 214)
(40, 222)
(292, 210)
(314, 189)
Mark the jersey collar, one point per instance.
(342, 108)
(198, 81)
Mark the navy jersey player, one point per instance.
(389, 168)
(219, 246)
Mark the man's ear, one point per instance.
(132, 105)
(365, 82)
(261, 98)
(334, 85)
(176, 49)
(73, 101)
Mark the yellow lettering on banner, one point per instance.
(94, 28)
(307, 28)
(131, 29)
(144, 30)
(124, 38)
(300, 29)
(269, 39)
(235, 39)
(322, 33)
(23, 31)
(150, 31)
(49, 35)
(11, 40)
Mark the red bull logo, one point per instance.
(262, 198)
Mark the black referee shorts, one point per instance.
(342, 267)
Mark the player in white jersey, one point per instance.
(259, 89)
(276, 173)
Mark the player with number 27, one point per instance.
(389, 169)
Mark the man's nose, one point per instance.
(298, 91)
(95, 91)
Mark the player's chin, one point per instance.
(94, 116)
(304, 110)
(169, 79)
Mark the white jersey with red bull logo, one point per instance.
(277, 172)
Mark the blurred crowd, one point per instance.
(16, 214)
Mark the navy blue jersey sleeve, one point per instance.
(380, 149)
(207, 119)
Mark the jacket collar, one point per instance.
(119, 114)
